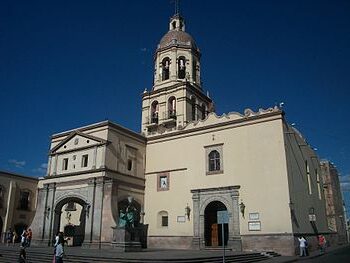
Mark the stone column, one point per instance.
(54, 172)
(49, 166)
(103, 156)
(235, 240)
(51, 202)
(94, 157)
(10, 206)
(196, 221)
(90, 213)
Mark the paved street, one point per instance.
(339, 256)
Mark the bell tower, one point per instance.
(176, 97)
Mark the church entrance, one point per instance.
(70, 218)
(212, 230)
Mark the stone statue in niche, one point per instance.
(129, 234)
(128, 215)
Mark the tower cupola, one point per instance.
(176, 97)
(177, 57)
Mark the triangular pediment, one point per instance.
(77, 140)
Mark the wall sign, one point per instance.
(254, 226)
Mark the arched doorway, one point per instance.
(70, 218)
(212, 230)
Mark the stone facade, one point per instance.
(334, 202)
(18, 196)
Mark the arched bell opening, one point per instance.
(172, 107)
(181, 67)
(154, 112)
(165, 68)
(212, 230)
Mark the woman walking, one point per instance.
(59, 252)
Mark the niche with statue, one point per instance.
(130, 234)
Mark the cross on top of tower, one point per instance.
(177, 6)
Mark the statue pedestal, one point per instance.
(129, 239)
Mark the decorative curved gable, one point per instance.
(212, 118)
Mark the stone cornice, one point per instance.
(51, 153)
(165, 171)
(91, 171)
(101, 124)
(224, 188)
(10, 174)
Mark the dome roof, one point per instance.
(177, 37)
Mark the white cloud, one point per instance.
(41, 170)
(16, 163)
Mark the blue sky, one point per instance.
(64, 64)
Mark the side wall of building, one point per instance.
(307, 201)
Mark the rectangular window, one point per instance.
(164, 220)
(24, 200)
(65, 164)
(318, 185)
(308, 177)
(84, 160)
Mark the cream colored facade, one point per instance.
(96, 167)
(17, 202)
(187, 166)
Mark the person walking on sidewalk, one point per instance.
(302, 246)
(322, 243)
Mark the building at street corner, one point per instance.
(336, 217)
(187, 165)
(17, 202)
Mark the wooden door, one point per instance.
(214, 235)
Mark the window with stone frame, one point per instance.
(84, 160)
(65, 164)
(131, 157)
(163, 219)
(163, 181)
(214, 159)
(24, 200)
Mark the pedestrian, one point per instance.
(24, 238)
(302, 246)
(22, 255)
(306, 247)
(14, 237)
(59, 251)
(9, 237)
(29, 237)
(322, 243)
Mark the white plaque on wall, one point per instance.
(253, 216)
(254, 226)
(181, 219)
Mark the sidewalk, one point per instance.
(313, 254)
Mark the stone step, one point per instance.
(43, 255)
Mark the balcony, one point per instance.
(169, 117)
(152, 121)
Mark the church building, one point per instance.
(186, 169)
